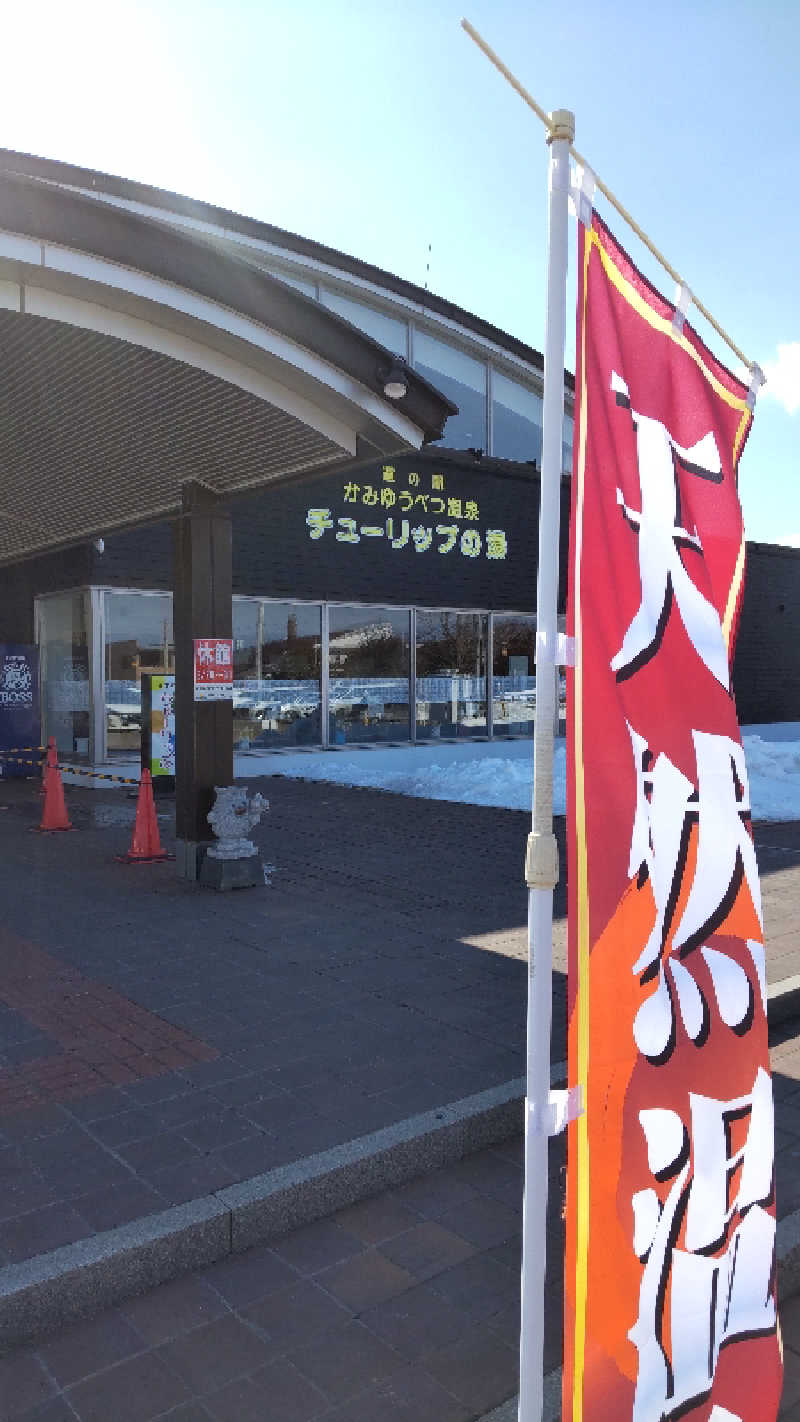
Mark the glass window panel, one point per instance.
(369, 658)
(388, 330)
(451, 674)
(463, 380)
(138, 639)
(516, 420)
(277, 653)
(246, 624)
(566, 444)
(64, 653)
(514, 676)
(308, 288)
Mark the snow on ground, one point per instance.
(498, 774)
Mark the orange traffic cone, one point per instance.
(54, 810)
(146, 843)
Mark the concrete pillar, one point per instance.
(202, 607)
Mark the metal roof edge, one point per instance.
(54, 170)
(33, 206)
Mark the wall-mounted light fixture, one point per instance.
(395, 379)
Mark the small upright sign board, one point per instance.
(20, 723)
(158, 730)
(213, 669)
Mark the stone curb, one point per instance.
(787, 1249)
(43, 1293)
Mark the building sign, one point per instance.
(411, 510)
(213, 669)
(427, 529)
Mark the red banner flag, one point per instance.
(670, 1306)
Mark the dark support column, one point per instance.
(202, 607)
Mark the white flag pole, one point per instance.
(541, 868)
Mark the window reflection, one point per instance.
(451, 674)
(391, 332)
(64, 652)
(138, 639)
(566, 444)
(514, 676)
(369, 662)
(516, 420)
(463, 380)
(277, 648)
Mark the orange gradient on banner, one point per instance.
(669, 1281)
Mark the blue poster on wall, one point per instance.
(20, 715)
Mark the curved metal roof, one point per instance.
(137, 356)
(235, 224)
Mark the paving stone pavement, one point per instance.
(403, 1308)
(382, 974)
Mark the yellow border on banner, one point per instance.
(666, 328)
(663, 324)
(582, 999)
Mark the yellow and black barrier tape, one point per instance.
(17, 757)
(99, 775)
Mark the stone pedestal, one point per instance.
(233, 862)
(223, 874)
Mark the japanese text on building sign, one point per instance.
(443, 534)
(213, 669)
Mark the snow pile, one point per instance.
(773, 768)
(501, 775)
(480, 775)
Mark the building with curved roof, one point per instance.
(383, 574)
(383, 545)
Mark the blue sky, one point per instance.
(380, 129)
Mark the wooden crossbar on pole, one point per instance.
(607, 193)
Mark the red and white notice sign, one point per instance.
(213, 669)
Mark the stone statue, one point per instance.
(231, 819)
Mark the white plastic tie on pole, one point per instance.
(546, 648)
(757, 379)
(565, 651)
(541, 861)
(581, 192)
(551, 1117)
(683, 300)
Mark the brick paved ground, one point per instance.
(72, 1036)
(379, 977)
(404, 1308)
(382, 975)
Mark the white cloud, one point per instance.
(783, 377)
